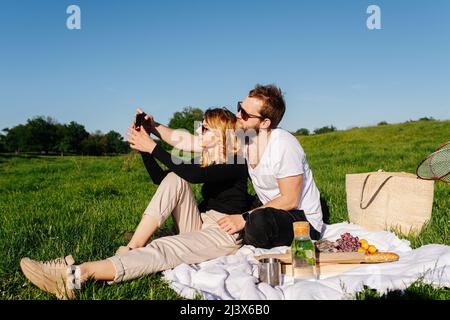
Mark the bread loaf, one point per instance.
(379, 257)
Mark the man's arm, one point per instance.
(290, 195)
(180, 139)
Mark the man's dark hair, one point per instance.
(273, 102)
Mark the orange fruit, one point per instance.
(364, 244)
(361, 250)
(372, 249)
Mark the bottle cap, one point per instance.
(301, 228)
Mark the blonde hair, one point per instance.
(223, 122)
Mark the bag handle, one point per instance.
(374, 195)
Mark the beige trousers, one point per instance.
(200, 238)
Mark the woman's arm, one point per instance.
(157, 174)
(193, 173)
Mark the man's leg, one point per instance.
(270, 227)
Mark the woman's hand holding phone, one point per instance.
(143, 120)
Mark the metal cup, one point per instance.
(270, 271)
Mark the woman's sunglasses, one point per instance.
(244, 114)
(204, 129)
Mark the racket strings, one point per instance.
(437, 165)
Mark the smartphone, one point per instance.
(139, 121)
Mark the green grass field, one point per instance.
(54, 206)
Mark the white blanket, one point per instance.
(236, 276)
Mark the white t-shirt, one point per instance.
(285, 157)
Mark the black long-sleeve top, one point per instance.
(224, 185)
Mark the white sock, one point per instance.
(74, 277)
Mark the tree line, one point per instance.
(45, 135)
(305, 132)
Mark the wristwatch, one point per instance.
(245, 215)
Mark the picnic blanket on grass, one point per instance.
(236, 276)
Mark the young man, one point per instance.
(280, 174)
(284, 184)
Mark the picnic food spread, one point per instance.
(346, 243)
(349, 243)
(338, 252)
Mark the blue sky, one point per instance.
(165, 55)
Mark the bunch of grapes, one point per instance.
(348, 243)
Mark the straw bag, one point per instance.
(383, 200)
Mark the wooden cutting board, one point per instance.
(336, 258)
(339, 257)
(329, 264)
(325, 270)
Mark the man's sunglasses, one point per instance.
(244, 114)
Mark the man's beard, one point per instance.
(242, 126)
(247, 135)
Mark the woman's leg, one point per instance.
(144, 231)
(98, 270)
(173, 196)
(164, 253)
(61, 276)
(168, 252)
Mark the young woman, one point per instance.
(202, 234)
